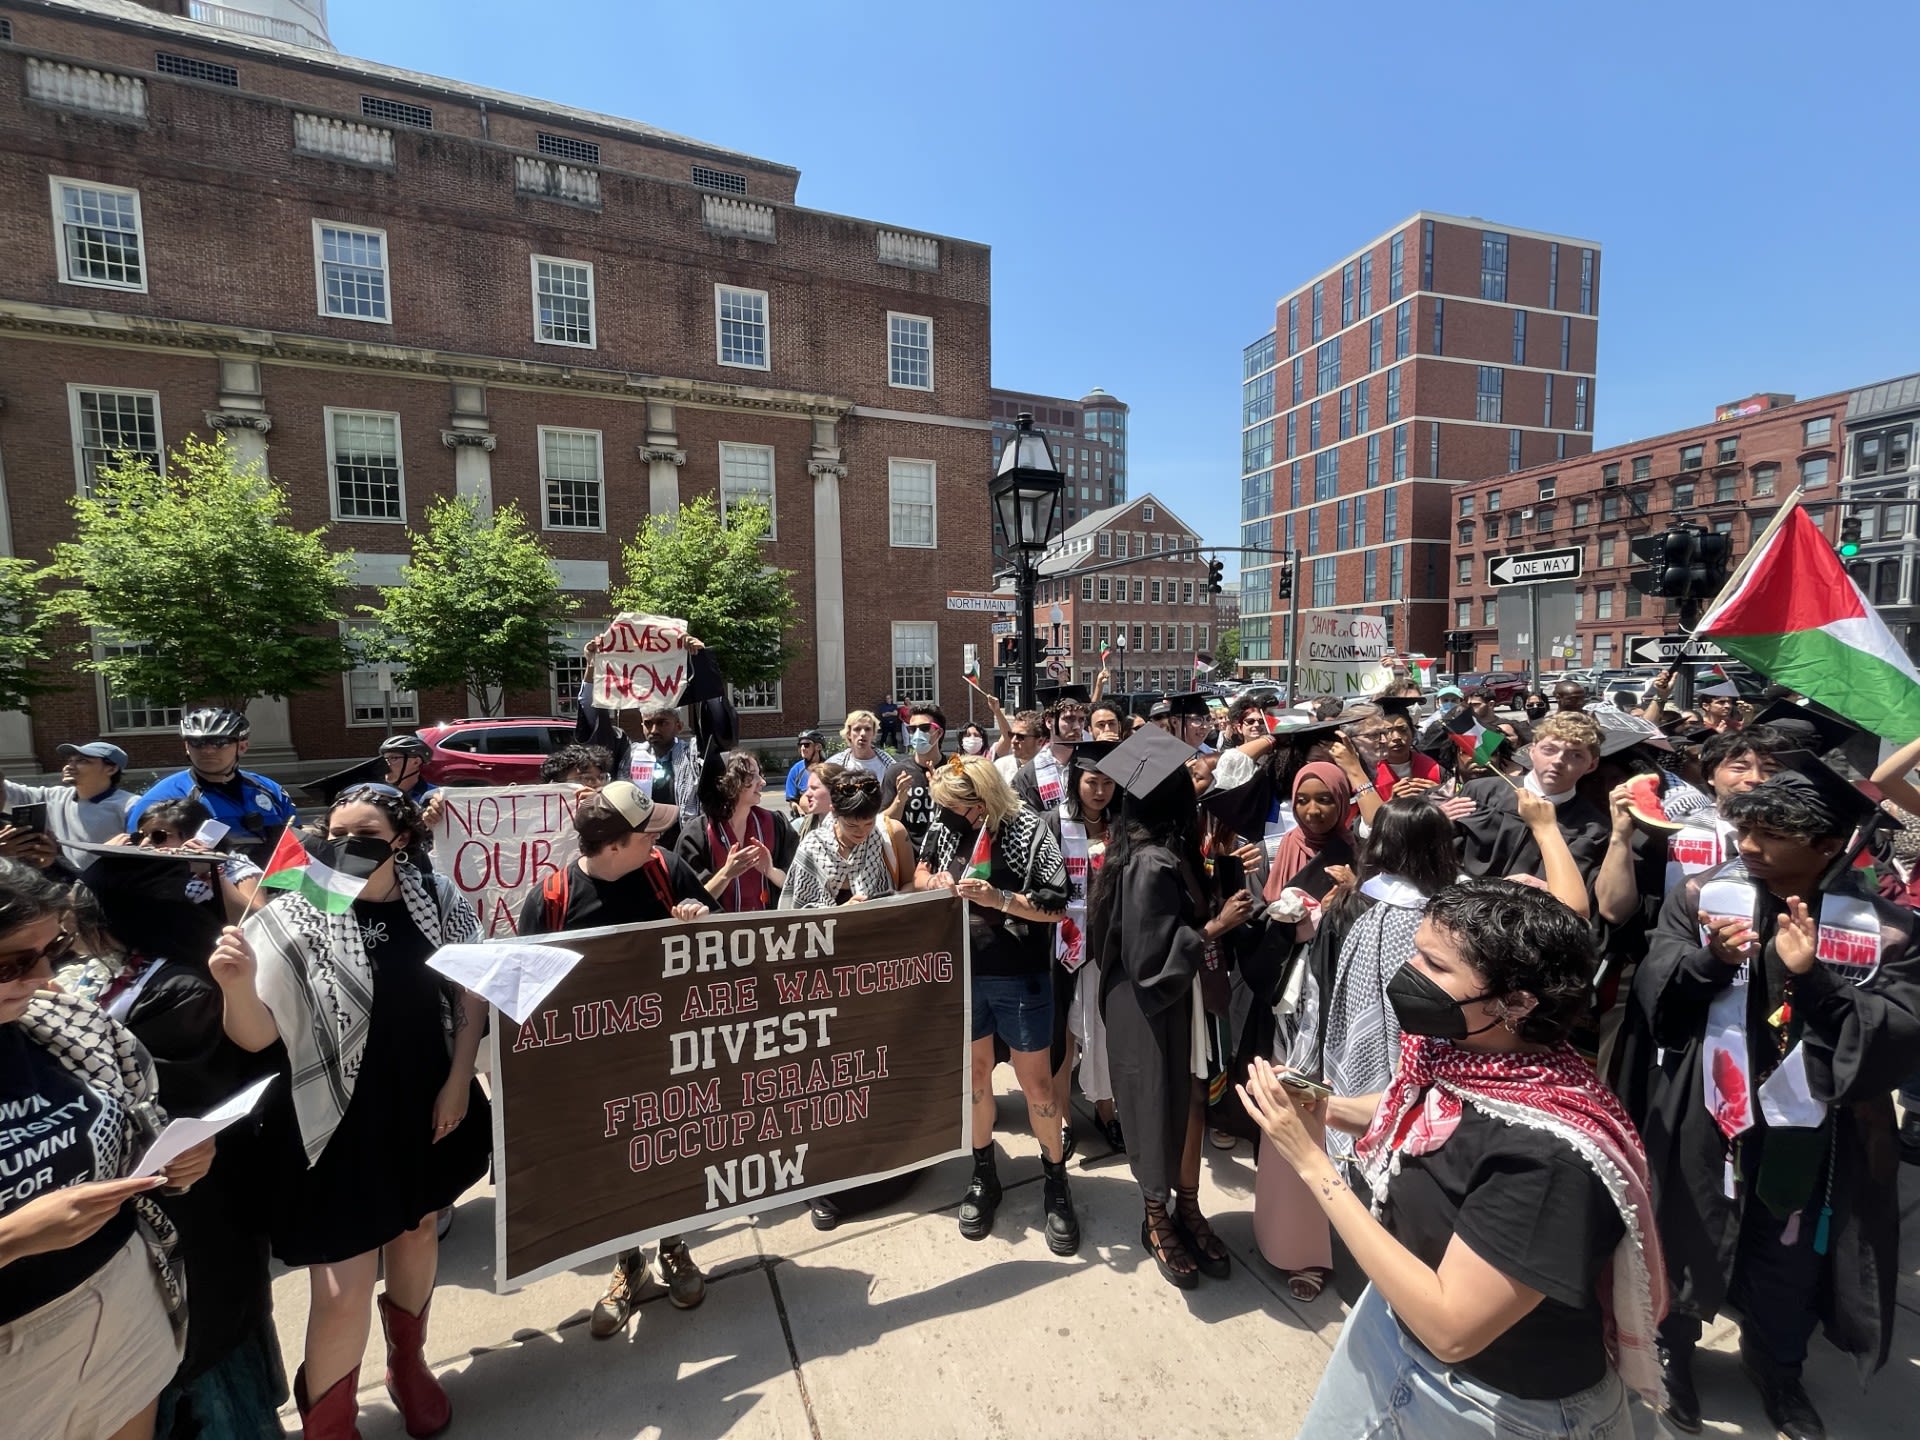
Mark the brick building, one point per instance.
(1446, 350)
(1155, 615)
(392, 287)
(1882, 490)
(1728, 475)
(1089, 441)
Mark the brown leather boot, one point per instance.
(332, 1416)
(422, 1404)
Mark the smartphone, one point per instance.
(1293, 1080)
(30, 817)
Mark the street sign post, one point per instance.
(1535, 567)
(1673, 650)
(1003, 627)
(981, 600)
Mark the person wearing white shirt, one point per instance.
(88, 805)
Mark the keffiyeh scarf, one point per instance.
(314, 975)
(1556, 1092)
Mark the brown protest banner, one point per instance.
(500, 844)
(687, 1072)
(640, 659)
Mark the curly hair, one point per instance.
(1518, 939)
(1570, 727)
(1761, 740)
(569, 758)
(183, 817)
(1793, 810)
(739, 769)
(853, 790)
(399, 811)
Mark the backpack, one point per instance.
(558, 888)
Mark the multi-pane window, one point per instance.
(1546, 403)
(1373, 460)
(1376, 328)
(1293, 433)
(1723, 489)
(350, 269)
(1683, 495)
(568, 668)
(1817, 431)
(1313, 426)
(1400, 452)
(1692, 456)
(1439, 327)
(910, 503)
(1766, 480)
(1609, 507)
(1493, 265)
(1586, 282)
(1257, 400)
(191, 67)
(1566, 343)
(1346, 414)
(1342, 525)
(725, 181)
(1463, 572)
(1256, 448)
(1813, 473)
(363, 454)
(910, 351)
(763, 695)
(1086, 639)
(1490, 612)
(367, 703)
(1487, 393)
(396, 112)
(1608, 548)
(1582, 509)
(1553, 277)
(1519, 337)
(1325, 577)
(1313, 531)
(1726, 449)
(1327, 366)
(1255, 358)
(1396, 267)
(1299, 378)
(746, 473)
(1326, 475)
(1393, 395)
(1603, 604)
(1642, 467)
(126, 713)
(570, 471)
(106, 422)
(1633, 604)
(1580, 402)
(1319, 305)
(1361, 418)
(1426, 254)
(1513, 450)
(1396, 572)
(1402, 330)
(562, 302)
(916, 669)
(1366, 283)
(98, 232)
(565, 147)
(1346, 293)
(1390, 515)
(1293, 325)
(1463, 609)
(1359, 520)
(740, 321)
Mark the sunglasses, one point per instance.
(372, 787)
(162, 839)
(21, 964)
(210, 744)
(1018, 735)
(920, 729)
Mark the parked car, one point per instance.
(1507, 685)
(492, 750)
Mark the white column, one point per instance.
(16, 729)
(829, 590)
(664, 458)
(472, 464)
(244, 422)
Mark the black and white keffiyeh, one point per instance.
(821, 871)
(314, 975)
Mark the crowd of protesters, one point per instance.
(1559, 1032)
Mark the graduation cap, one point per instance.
(1161, 709)
(328, 787)
(1187, 702)
(1145, 761)
(1829, 792)
(1142, 704)
(1293, 725)
(143, 894)
(1088, 754)
(1811, 727)
(1048, 695)
(1621, 730)
(1398, 705)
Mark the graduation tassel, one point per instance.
(1821, 1231)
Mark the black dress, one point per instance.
(381, 1174)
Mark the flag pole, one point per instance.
(1753, 553)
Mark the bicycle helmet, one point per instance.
(214, 722)
(410, 746)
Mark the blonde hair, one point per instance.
(974, 780)
(1570, 728)
(858, 717)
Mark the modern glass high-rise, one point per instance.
(1443, 351)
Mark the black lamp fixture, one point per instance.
(1026, 501)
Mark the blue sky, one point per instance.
(1151, 178)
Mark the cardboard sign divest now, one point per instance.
(641, 660)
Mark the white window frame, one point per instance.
(81, 475)
(592, 341)
(104, 697)
(327, 414)
(893, 661)
(405, 704)
(572, 640)
(933, 506)
(320, 271)
(927, 320)
(600, 467)
(62, 258)
(720, 292)
(1147, 516)
(747, 702)
(773, 484)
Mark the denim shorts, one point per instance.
(1383, 1383)
(1017, 1008)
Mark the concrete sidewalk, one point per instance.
(894, 1326)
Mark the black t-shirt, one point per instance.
(630, 900)
(919, 812)
(999, 944)
(50, 1125)
(1528, 1205)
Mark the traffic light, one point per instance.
(1708, 572)
(1009, 652)
(1283, 582)
(1849, 537)
(1214, 571)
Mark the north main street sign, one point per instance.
(1535, 567)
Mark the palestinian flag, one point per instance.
(1794, 614)
(982, 862)
(1476, 742)
(1202, 666)
(1714, 681)
(294, 868)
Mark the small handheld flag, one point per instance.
(1476, 742)
(981, 864)
(294, 868)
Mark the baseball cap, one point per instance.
(96, 750)
(1449, 690)
(637, 807)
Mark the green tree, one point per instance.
(1226, 650)
(206, 590)
(476, 606)
(712, 573)
(23, 634)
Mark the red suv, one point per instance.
(492, 751)
(1507, 685)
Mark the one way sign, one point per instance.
(1536, 567)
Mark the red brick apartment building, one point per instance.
(1728, 475)
(1446, 350)
(392, 286)
(1155, 615)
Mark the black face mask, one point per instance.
(359, 856)
(1535, 712)
(1423, 1008)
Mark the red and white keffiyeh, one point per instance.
(1556, 1092)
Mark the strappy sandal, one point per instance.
(1160, 1238)
(1306, 1285)
(1207, 1247)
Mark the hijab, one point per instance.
(1299, 849)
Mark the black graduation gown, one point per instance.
(1494, 841)
(1861, 1042)
(1151, 945)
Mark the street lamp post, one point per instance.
(1026, 501)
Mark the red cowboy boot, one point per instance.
(332, 1416)
(422, 1404)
